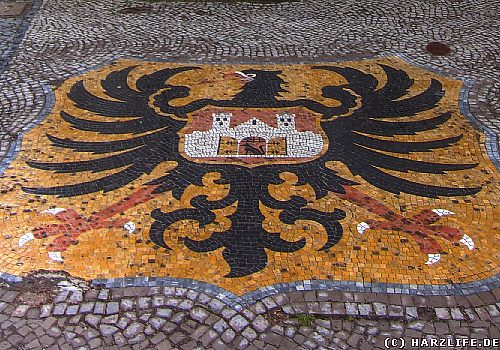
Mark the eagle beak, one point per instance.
(237, 75)
(245, 77)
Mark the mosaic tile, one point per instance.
(245, 176)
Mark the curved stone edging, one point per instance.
(162, 317)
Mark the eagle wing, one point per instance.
(365, 140)
(150, 134)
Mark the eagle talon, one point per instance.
(467, 241)
(442, 212)
(53, 211)
(27, 237)
(129, 226)
(433, 258)
(56, 256)
(362, 227)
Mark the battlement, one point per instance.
(253, 138)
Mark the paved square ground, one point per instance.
(212, 175)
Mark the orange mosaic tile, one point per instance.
(249, 175)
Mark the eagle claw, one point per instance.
(362, 227)
(433, 258)
(467, 241)
(129, 226)
(442, 212)
(27, 237)
(56, 256)
(53, 211)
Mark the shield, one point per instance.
(252, 137)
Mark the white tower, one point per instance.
(286, 121)
(221, 121)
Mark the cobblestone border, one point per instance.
(138, 317)
(249, 298)
(15, 146)
(491, 138)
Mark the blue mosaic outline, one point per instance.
(249, 298)
(491, 138)
(15, 147)
(238, 302)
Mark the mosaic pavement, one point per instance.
(286, 154)
(247, 176)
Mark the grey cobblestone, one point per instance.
(268, 33)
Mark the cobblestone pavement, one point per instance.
(79, 317)
(45, 47)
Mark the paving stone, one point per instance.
(107, 330)
(72, 310)
(100, 308)
(123, 322)
(133, 329)
(274, 339)
(93, 320)
(95, 343)
(120, 340)
(443, 313)
(77, 342)
(185, 304)
(411, 312)
(395, 311)
(60, 309)
(54, 332)
(87, 307)
(456, 314)
(48, 322)
(103, 294)
(165, 313)
(20, 311)
(249, 334)
(260, 324)
(178, 317)
(145, 317)
(158, 301)
(46, 340)
(137, 339)
(76, 297)
(45, 311)
(143, 302)
(216, 305)
(157, 322)
(238, 323)
(112, 308)
(227, 336)
(15, 339)
(113, 319)
(220, 326)
(126, 304)
(199, 314)
(33, 344)
(177, 337)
